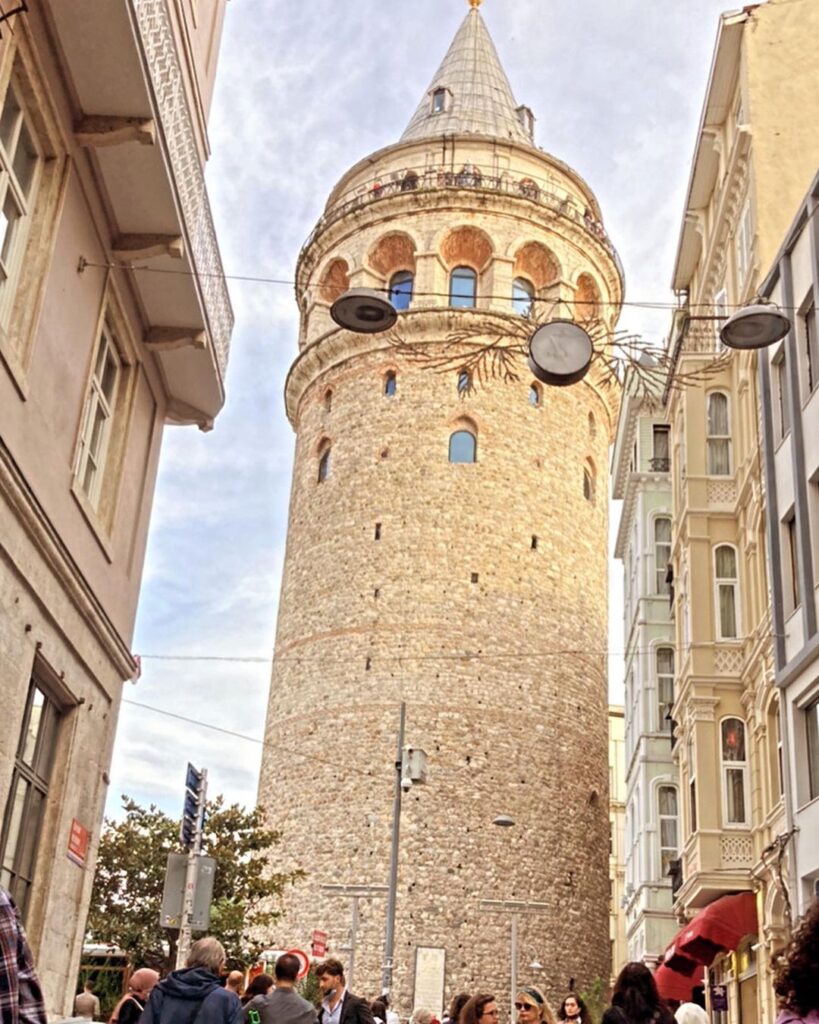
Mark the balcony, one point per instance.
(473, 178)
(124, 65)
(662, 465)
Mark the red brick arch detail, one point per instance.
(587, 299)
(466, 246)
(538, 264)
(391, 253)
(335, 280)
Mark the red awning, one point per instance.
(717, 928)
(673, 985)
(676, 962)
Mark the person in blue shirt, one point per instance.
(195, 994)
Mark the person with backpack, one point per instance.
(195, 995)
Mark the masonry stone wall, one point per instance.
(477, 594)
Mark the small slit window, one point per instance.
(463, 446)
(324, 465)
(401, 289)
(589, 483)
(523, 296)
(328, 400)
(535, 395)
(390, 384)
(464, 382)
(463, 288)
(439, 101)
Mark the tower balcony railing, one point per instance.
(470, 177)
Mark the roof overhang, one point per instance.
(123, 65)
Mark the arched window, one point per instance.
(662, 553)
(390, 383)
(463, 288)
(464, 381)
(324, 463)
(734, 772)
(589, 482)
(523, 295)
(592, 425)
(463, 446)
(328, 399)
(401, 289)
(718, 435)
(664, 667)
(727, 592)
(667, 817)
(535, 394)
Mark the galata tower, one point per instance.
(447, 548)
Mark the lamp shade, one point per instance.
(754, 327)
(364, 311)
(560, 353)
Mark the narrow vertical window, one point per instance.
(28, 793)
(727, 585)
(811, 348)
(662, 554)
(324, 465)
(98, 416)
(692, 784)
(780, 382)
(438, 101)
(589, 482)
(718, 440)
(523, 296)
(792, 567)
(401, 285)
(668, 830)
(463, 288)
(734, 772)
(535, 395)
(665, 686)
(328, 400)
(390, 384)
(463, 446)
(660, 453)
(812, 731)
(464, 381)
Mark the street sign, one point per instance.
(173, 895)
(303, 958)
(78, 839)
(719, 999)
(193, 808)
(318, 946)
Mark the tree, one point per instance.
(127, 893)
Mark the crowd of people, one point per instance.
(204, 993)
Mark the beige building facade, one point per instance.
(617, 853)
(755, 156)
(440, 525)
(103, 140)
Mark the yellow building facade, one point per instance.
(755, 156)
(617, 855)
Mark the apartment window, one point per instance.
(727, 588)
(463, 288)
(780, 383)
(775, 751)
(98, 416)
(660, 450)
(812, 724)
(30, 782)
(20, 163)
(791, 552)
(744, 246)
(664, 663)
(401, 289)
(806, 327)
(523, 296)
(734, 772)
(718, 441)
(463, 446)
(667, 816)
(662, 553)
(692, 785)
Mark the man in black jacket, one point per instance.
(338, 1006)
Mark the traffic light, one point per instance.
(193, 809)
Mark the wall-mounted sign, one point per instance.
(78, 839)
(719, 999)
(430, 974)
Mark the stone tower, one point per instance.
(447, 547)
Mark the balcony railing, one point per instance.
(162, 58)
(660, 465)
(470, 177)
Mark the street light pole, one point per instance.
(354, 893)
(392, 886)
(515, 908)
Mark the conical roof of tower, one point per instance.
(479, 98)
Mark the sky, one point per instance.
(304, 90)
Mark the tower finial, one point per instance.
(475, 3)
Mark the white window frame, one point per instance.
(718, 438)
(779, 374)
(661, 587)
(667, 817)
(721, 311)
(735, 766)
(94, 450)
(693, 795)
(792, 591)
(10, 186)
(662, 708)
(725, 581)
(807, 330)
(744, 241)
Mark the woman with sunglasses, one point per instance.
(532, 1007)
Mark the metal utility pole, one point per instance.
(515, 908)
(354, 893)
(389, 935)
(193, 818)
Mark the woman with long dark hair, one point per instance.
(574, 1010)
(796, 982)
(481, 1009)
(635, 999)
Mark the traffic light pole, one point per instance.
(194, 853)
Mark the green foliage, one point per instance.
(308, 988)
(130, 876)
(595, 999)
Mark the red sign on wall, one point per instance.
(78, 839)
(319, 943)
